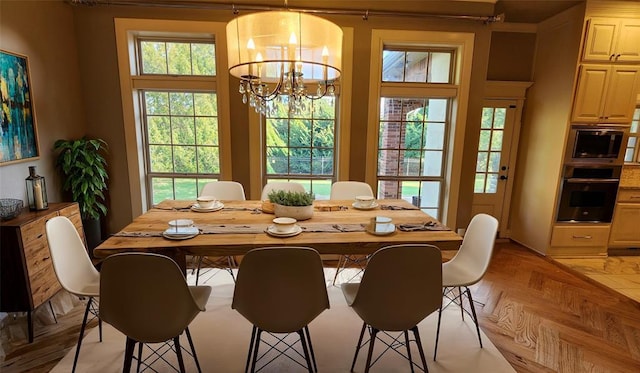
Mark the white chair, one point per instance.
(341, 190)
(468, 266)
(227, 191)
(281, 185)
(146, 297)
(224, 190)
(350, 189)
(397, 302)
(74, 269)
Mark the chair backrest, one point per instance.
(281, 185)
(145, 296)
(474, 255)
(224, 190)
(350, 189)
(401, 285)
(280, 289)
(70, 258)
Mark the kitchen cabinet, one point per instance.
(27, 275)
(606, 93)
(625, 227)
(579, 240)
(612, 40)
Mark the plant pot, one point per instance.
(296, 212)
(93, 234)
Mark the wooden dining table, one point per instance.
(239, 226)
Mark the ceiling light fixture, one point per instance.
(285, 55)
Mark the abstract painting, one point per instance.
(18, 135)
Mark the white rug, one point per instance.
(221, 337)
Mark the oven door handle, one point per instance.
(578, 180)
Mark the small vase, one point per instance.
(296, 212)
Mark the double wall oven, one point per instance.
(591, 174)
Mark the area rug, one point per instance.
(221, 337)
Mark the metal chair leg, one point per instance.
(473, 313)
(364, 326)
(140, 348)
(255, 351)
(176, 344)
(128, 355)
(82, 328)
(416, 335)
(313, 356)
(406, 342)
(374, 333)
(307, 358)
(53, 313)
(193, 349)
(253, 338)
(435, 351)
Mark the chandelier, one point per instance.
(285, 55)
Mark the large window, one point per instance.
(633, 145)
(301, 147)
(413, 128)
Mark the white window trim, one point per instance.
(126, 30)
(463, 43)
(343, 121)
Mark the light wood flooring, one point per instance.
(543, 316)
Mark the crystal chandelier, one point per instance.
(284, 55)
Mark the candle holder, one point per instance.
(36, 191)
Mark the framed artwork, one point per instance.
(18, 134)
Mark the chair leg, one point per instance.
(364, 326)
(255, 351)
(461, 305)
(307, 358)
(374, 333)
(176, 344)
(435, 352)
(313, 356)
(416, 335)
(473, 313)
(193, 349)
(128, 355)
(231, 262)
(200, 258)
(338, 269)
(53, 313)
(140, 348)
(82, 327)
(253, 338)
(406, 342)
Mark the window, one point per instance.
(413, 129)
(633, 145)
(301, 147)
(175, 107)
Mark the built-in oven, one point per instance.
(588, 193)
(597, 144)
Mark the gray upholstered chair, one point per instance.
(74, 269)
(226, 191)
(396, 302)
(281, 290)
(342, 190)
(145, 296)
(468, 266)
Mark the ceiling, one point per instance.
(519, 11)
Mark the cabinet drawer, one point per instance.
(44, 284)
(566, 235)
(629, 195)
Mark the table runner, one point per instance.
(252, 229)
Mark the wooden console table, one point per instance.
(27, 278)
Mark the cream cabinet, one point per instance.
(612, 40)
(625, 226)
(606, 93)
(579, 240)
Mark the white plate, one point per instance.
(358, 207)
(272, 231)
(381, 229)
(181, 223)
(181, 231)
(216, 206)
(178, 237)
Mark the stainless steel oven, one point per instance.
(597, 144)
(588, 193)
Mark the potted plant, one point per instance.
(84, 175)
(297, 205)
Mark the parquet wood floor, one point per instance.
(541, 315)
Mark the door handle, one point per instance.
(503, 177)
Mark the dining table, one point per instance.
(235, 227)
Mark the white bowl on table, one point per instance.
(284, 224)
(206, 202)
(365, 201)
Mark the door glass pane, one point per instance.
(489, 150)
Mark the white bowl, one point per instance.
(206, 202)
(365, 201)
(178, 223)
(284, 225)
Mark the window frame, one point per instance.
(127, 31)
(458, 91)
(636, 152)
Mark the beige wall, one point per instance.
(98, 78)
(44, 32)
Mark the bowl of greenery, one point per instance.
(297, 205)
